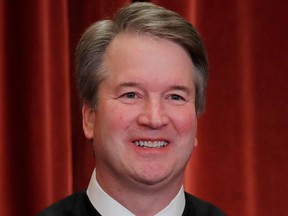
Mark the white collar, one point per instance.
(107, 206)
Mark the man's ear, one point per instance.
(195, 142)
(88, 119)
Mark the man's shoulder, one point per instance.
(73, 205)
(198, 207)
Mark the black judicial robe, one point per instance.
(78, 204)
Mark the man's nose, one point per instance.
(153, 115)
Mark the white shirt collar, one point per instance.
(107, 206)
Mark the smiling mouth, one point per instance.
(151, 144)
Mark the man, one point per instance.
(142, 79)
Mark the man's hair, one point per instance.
(139, 18)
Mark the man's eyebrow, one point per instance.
(181, 88)
(129, 84)
(126, 84)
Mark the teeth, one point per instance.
(151, 144)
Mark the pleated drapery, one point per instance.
(241, 162)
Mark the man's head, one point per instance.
(141, 78)
(137, 19)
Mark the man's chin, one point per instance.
(152, 178)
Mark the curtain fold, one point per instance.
(37, 162)
(246, 61)
(241, 161)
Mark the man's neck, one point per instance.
(140, 199)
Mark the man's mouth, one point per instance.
(151, 144)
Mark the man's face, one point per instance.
(144, 125)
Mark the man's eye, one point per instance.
(176, 97)
(130, 95)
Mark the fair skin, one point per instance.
(144, 126)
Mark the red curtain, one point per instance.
(241, 162)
